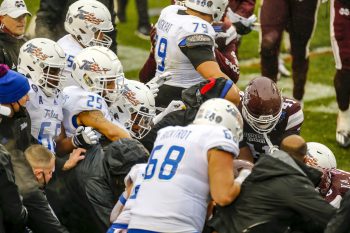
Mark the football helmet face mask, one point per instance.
(135, 109)
(215, 8)
(320, 155)
(88, 21)
(97, 69)
(218, 111)
(43, 61)
(262, 105)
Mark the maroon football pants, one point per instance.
(340, 38)
(298, 18)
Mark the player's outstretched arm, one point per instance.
(246, 154)
(223, 188)
(96, 120)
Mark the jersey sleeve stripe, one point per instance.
(295, 119)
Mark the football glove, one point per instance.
(84, 137)
(157, 82)
(243, 25)
(225, 33)
(174, 105)
(242, 176)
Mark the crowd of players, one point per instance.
(183, 150)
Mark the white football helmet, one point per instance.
(97, 69)
(135, 109)
(43, 61)
(215, 8)
(87, 21)
(322, 156)
(218, 111)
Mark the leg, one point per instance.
(144, 26)
(302, 24)
(273, 23)
(121, 13)
(340, 38)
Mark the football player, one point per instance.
(87, 21)
(334, 182)
(184, 47)
(340, 39)
(299, 18)
(42, 61)
(184, 170)
(99, 74)
(268, 118)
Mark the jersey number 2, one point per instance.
(172, 159)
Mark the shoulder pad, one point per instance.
(197, 40)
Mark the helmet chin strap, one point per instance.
(272, 148)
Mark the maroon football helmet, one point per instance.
(262, 104)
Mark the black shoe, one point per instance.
(143, 32)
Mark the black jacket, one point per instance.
(41, 218)
(13, 215)
(15, 131)
(52, 14)
(84, 197)
(9, 50)
(340, 223)
(279, 192)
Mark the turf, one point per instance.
(320, 116)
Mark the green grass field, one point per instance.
(319, 107)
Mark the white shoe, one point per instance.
(282, 68)
(343, 128)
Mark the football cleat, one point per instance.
(343, 128)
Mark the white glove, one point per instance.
(84, 137)
(248, 22)
(5, 111)
(157, 82)
(242, 176)
(229, 35)
(173, 106)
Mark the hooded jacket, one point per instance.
(278, 193)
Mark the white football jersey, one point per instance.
(172, 29)
(45, 114)
(71, 48)
(174, 194)
(135, 176)
(77, 100)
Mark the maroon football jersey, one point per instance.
(289, 123)
(333, 186)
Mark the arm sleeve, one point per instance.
(228, 63)
(148, 71)
(199, 54)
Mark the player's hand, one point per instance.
(84, 137)
(174, 105)
(157, 82)
(225, 33)
(243, 25)
(74, 158)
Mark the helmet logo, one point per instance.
(19, 4)
(88, 17)
(36, 52)
(88, 80)
(92, 66)
(130, 95)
